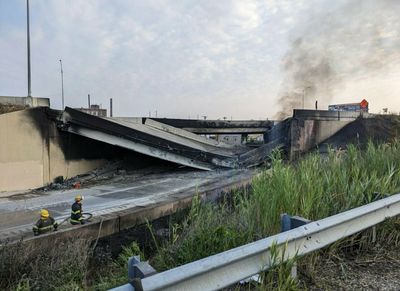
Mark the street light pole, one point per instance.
(62, 85)
(28, 48)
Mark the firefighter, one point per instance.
(45, 224)
(76, 211)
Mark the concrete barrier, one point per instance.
(25, 101)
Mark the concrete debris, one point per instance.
(106, 173)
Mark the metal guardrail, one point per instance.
(227, 268)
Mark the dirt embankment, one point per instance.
(381, 128)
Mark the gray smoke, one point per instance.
(358, 40)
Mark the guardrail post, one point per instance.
(138, 270)
(287, 223)
(374, 234)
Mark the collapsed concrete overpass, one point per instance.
(152, 138)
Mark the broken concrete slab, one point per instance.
(177, 148)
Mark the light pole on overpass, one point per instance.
(28, 48)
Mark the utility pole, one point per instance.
(29, 48)
(62, 85)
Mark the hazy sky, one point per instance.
(216, 58)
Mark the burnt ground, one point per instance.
(375, 269)
(380, 128)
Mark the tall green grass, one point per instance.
(315, 187)
(320, 186)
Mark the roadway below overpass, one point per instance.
(116, 206)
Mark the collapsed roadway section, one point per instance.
(159, 140)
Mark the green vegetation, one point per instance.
(315, 187)
(61, 266)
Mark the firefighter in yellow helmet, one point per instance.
(76, 211)
(45, 224)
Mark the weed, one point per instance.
(48, 267)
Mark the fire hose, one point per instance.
(86, 217)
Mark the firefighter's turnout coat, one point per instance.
(76, 213)
(44, 225)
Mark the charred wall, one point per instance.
(33, 151)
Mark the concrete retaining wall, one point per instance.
(307, 134)
(32, 152)
(309, 128)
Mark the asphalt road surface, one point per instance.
(18, 213)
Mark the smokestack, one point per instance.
(88, 100)
(316, 104)
(111, 112)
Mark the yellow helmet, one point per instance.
(78, 198)
(44, 213)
